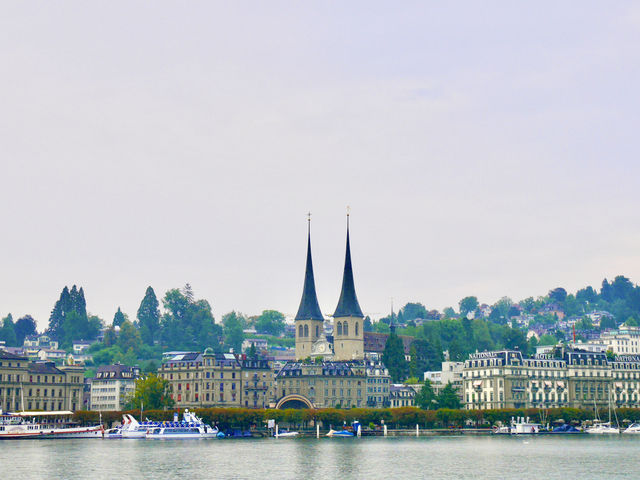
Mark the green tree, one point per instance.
(110, 337)
(24, 327)
(468, 305)
(381, 327)
(69, 320)
(129, 337)
(449, 312)
(8, 332)
(607, 323)
(547, 339)
(152, 392)
(426, 398)
(270, 322)
(119, 318)
(558, 295)
(188, 324)
(149, 317)
(394, 359)
(233, 334)
(252, 351)
(448, 398)
(412, 311)
(367, 326)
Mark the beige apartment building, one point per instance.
(564, 378)
(322, 385)
(200, 380)
(26, 385)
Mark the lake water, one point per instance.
(448, 457)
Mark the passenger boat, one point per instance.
(44, 425)
(191, 426)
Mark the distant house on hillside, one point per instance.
(374, 344)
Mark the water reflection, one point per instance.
(345, 458)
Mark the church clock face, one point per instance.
(321, 348)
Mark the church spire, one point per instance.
(348, 304)
(309, 308)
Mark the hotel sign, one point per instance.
(628, 358)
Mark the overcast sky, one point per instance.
(485, 148)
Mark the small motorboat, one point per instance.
(286, 434)
(634, 429)
(340, 433)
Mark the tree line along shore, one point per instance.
(394, 418)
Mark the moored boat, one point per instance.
(44, 425)
(634, 429)
(190, 427)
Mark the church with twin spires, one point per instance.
(347, 341)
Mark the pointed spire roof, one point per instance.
(348, 305)
(309, 308)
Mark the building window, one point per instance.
(339, 328)
(306, 330)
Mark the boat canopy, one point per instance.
(44, 414)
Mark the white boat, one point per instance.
(518, 426)
(191, 426)
(285, 434)
(634, 429)
(44, 425)
(340, 433)
(131, 428)
(602, 428)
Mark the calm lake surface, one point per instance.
(459, 457)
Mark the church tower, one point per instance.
(309, 321)
(348, 331)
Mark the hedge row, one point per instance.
(394, 417)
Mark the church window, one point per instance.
(300, 331)
(339, 328)
(306, 330)
(345, 329)
(317, 331)
(356, 329)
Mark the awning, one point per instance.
(477, 383)
(547, 383)
(619, 385)
(560, 383)
(43, 414)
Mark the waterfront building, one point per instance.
(27, 385)
(401, 395)
(452, 372)
(257, 383)
(112, 385)
(378, 385)
(200, 380)
(322, 385)
(563, 378)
